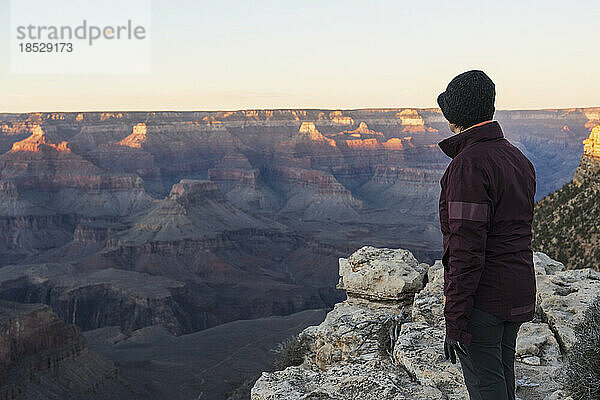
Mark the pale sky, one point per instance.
(241, 54)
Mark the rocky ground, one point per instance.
(385, 341)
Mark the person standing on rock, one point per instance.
(486, 210)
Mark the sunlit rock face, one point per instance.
(590, 161)
(37, 142)
(412, 122)
(309, 131)
(593, 116)
(337, 117)
(591, 146)
(363, 129)
(137, 137)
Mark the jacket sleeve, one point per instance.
(468, 205)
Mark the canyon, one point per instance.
(234, 215)
(182, 222)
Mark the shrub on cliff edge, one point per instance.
(583, 363)
(290, 352)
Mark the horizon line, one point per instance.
(282, 109)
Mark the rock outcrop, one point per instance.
(242, 184)
(66, 182)
(384, 275)
(389, 343)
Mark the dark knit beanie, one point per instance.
(468, 99)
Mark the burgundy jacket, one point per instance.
(486, 209)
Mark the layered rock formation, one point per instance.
(234, 265)
(317, 195)
(192, 219)
(67, 181)
(386, 339)
(242, 184)
(95, 299)
(42, 357)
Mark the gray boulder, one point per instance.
(382, 274)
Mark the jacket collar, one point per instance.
(481, 132)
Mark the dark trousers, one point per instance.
(489, 367)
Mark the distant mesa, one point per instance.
(413, 122)
(38, 142)
(211, 121)
(393, 144)
(410, 117)
(593, 116)
(337, 117)
(362, 143)
(10, 128)
(137, 138)
(309, 131)
(108, 115)
(363, 129)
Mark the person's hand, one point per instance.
(451, 347)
